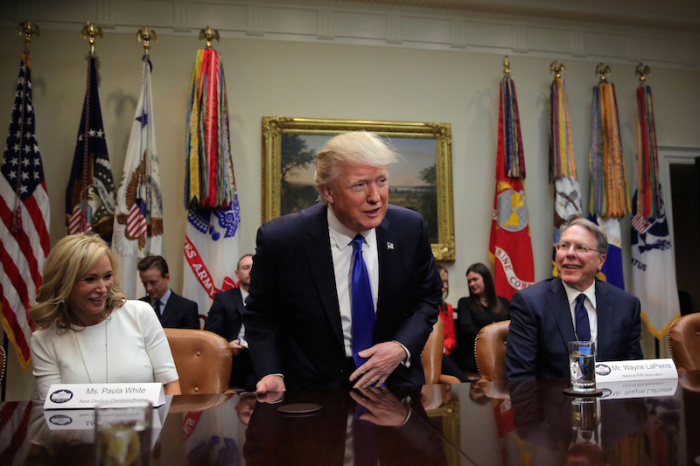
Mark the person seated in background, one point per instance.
(225, 319)
(87, 331)
(481, 308)
(172, 310)
(572, 306)
(449, 366)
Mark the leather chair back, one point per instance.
(202, 358)
(432, 353)
(684, 340)
(490, 351)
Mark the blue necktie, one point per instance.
(583, 327)
(362, 304)
(156, 307)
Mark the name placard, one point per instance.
(86, 396)
(637, 370)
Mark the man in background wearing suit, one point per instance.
(306, 326)
(225, 320)
(172, 310)
(572, 306)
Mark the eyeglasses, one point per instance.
(578, 248)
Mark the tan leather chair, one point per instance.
(202, 358)
(431, 358)
(684, 340)
(490, 351)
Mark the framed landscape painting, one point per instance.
(420, 181)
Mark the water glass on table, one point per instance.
(582, 366)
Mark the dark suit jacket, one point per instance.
(225, 314)
(541, 326)
(292, 314)
(179, 312)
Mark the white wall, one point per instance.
(328, 79)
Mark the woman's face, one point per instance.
(88, 297)
(476, 284)
(444, 276)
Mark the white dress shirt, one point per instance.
(590, 304)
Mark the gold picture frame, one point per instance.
(431, 187)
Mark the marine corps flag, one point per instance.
(510, 247)
(562, 167)
(138, 220)
(653, 261)
(24, 219)
(609, 198)
(213, 217)
(90, 192)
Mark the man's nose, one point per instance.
(372, 193)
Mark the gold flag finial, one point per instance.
(209, 35)
(557, 68)
(91, 33)
(28, 29)
(602, 70)
(641, 71)
(146, 35)
(506, 65)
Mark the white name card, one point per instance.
(86, 396)
(637, 370)
(84, 419)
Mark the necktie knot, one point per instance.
(357, 242)
(580, 299)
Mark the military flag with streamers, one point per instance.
(562, 167)
(90, 191)
(24, 209)
(653, 261)
(510, 247)
(138, 220)
(213, 217)
(609, 198)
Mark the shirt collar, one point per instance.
(571, 293)
(164, 299)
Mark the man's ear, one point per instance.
(326, 193)
(167, 276)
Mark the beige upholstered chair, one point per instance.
(432, 356)
(490, 351)
(202, 358)
(684, 340)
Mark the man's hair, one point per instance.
(153, 261)
(238, 266)
(355, 148)
(600, 238)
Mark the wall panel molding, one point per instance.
(458, 25)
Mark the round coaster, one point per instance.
(299, 408)
(571, 392)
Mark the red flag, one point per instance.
(510, 247)
(24, 215)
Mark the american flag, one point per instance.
(24, 209)
(90, 193)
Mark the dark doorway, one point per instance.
(685, 196)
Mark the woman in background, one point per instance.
(481, 308)
(449, 367)
(87, 331)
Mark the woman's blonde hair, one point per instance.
(69, 260)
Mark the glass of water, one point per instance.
(582, 366)
(123, 434)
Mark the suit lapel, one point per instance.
(389, 265)
(604, 315)
(561, 311)
(318, 253)
(169, 310)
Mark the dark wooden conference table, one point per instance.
(517, 423)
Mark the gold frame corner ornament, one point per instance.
(274, 127)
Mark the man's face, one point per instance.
(359, 196)
(578, 269)
(155, 284)
(243, 271)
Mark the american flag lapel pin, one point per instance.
(390, 245)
